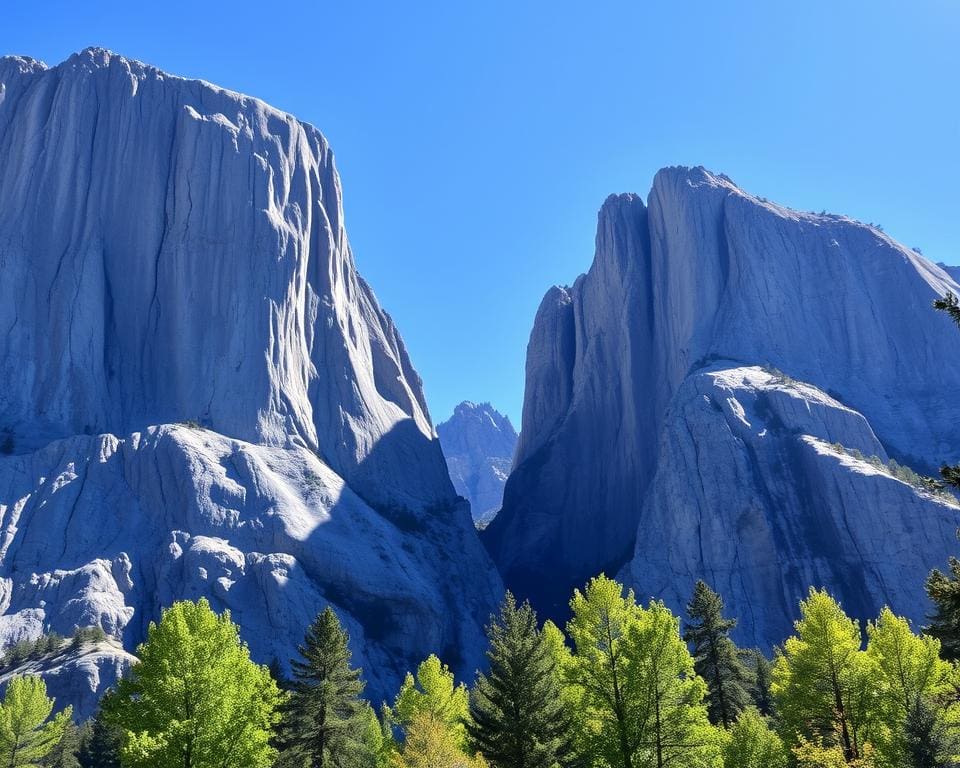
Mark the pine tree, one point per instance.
(100, 745)
(325, 719)
(518, 718)
(28, 735)
(64, 754)
(194, 699)
(761, 671)
(944, 589)
(715, 658)
(944, 593)
(930, 742)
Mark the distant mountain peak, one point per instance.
(479, 442)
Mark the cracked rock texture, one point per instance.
(479, 442)
(173, 252)
(632, 457)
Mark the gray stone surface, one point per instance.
(478, 442)
(175, 253)
(705, 274)
(77, 678)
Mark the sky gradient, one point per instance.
(476, 141)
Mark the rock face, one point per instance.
(174, 252)
(479, 443)
(632, 452)
(77, 677)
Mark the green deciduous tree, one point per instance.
(752, 744)
(674, 726)
(434, 692)
(28, 735)
(326, 723)
(518, 716)
(195, 699)
(715, 658)
(823, 684)
(431, 743)
(909, 673)
(641, 702)
(608, 720)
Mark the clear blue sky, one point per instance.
(476, 140)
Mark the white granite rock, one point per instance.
(704, 275)
(175, 253)
(766, 486)
(77, 677)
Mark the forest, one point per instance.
(624, 685)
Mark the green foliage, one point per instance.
(326, 723)
(929, 741)
(433, 692)
(28, 735)
(761, 677)
(909, 673)
(430, 743)
(752, 744)
(64, 754)
(195, 699)
(518, 717)
(642, 704)
(715, 658)
(88, 636)
(48, 644)
(944, 592)
(101, 743)
(823, 684)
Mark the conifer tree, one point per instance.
(761, 671)
(944, 592)
(64, 754)
(325, 720)
(929, 741)
(715, 658)
(100, 745)
(28, 735)
(518, 718)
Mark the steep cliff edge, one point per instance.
(174, 252)
(702, 273)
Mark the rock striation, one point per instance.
(479, 443)
(630, 455)
(201, 395)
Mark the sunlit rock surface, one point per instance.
(705, 275)
(175, 253)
